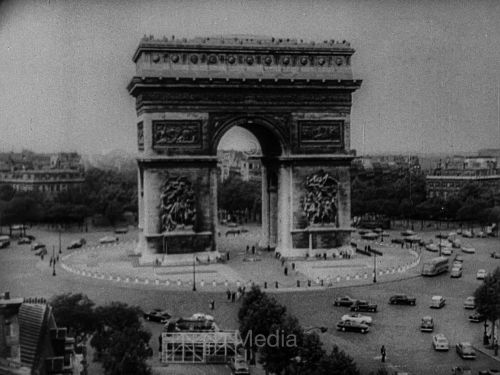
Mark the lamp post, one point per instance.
(194, 273)
(485, 335)
(374, 267)
(53, 260)
(60, 252)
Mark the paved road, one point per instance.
(394, 326)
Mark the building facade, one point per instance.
(452, 174)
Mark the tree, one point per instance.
(120, 341)
(337, 363)
(6, 192)
(74, 311)
(310, 354)
(488, 297)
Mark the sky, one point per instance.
(430, 69)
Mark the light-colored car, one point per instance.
(239, 365)
(481, 274)
(432, 247)
(467, 234)
(202, 316)
(446, 251)
(437, 302)
(470, 303)
(440, 342)
(465, 350)
(456, 272)
(468, 249)
(108, 239)
(358, 318)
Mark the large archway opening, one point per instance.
(247, 182)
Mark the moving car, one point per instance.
(108, 239)
(446, 251)
(4, 242)
(465, 350)
(481, 274)
(41, 251)
(239, 365)
(468, 249)
(348, 325)
(470, 303)
(456, 272)
(358, 318)
(157, 315)
(24, 240)
(461, 370)
(437, 302)
(77, 243)
(495, 255)
(202, 316)
(427, 324)
(402, 299)
(344, 301)
(440, 342)
(477, 318)
(36, 246)
(432, 247)
(361, 305)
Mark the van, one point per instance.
(437, 302)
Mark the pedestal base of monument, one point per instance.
(314, 241)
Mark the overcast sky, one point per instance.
(430, 69)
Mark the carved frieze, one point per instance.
(319, 203)
(176, 133)
(322, 132)
(140, 136)
(177, 204)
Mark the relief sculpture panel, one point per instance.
(329, 132)
(320, 200)
(176, 134)
(177, 206)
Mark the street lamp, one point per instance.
(194, 273)
(374, 267)
(53, 260)
(485, 335)
(60, 252)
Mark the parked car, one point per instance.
(495, 255)
(121, 230)
(456, 272)
(77, 243)
(108, 239)
(481, 234)
(459, 258)
(432, 247)
(30, 236)
(157, 315)
(437, 302)
(23, 240)
(443, 236)
(4, 242)
(468, 249)
(440, 342)
(358, 318)
(41, 251)
(491, 371)
(348, 325)
(344, 301)
(361, 305)
(402, 299)
(202, 316)
(427, 324)
(470, 303)
(467, 234)
(465, 350)
(36, 246)
(477, 318)
(461, 370)
(398, 240)
(481, 274)
(239, 365)
(446, 251)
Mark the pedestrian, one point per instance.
(247, 249)
(282, 262)
(211, 304)
(495, 346)
(57, 258)
(233, 296)
(253, 250)
(238, 295)
(227, 255)
(42, 256)
(324, 256)
(286, 271)
(228, 294)
(293, 266)
(382, 352)
(50, 262)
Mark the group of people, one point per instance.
(235, 296)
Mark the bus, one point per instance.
(435, 266)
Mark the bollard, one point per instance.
(293, 266)
(225, 283)
(202, 283)
(265, 284)
(276, 284)
(338, 279)
(298, 283)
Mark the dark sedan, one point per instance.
(361, 305)
(349, 325)
(157, 315)
(477, 318)
(402, 299)
(344, 301)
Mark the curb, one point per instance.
(486, 352)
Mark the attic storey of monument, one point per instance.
(294, 97)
